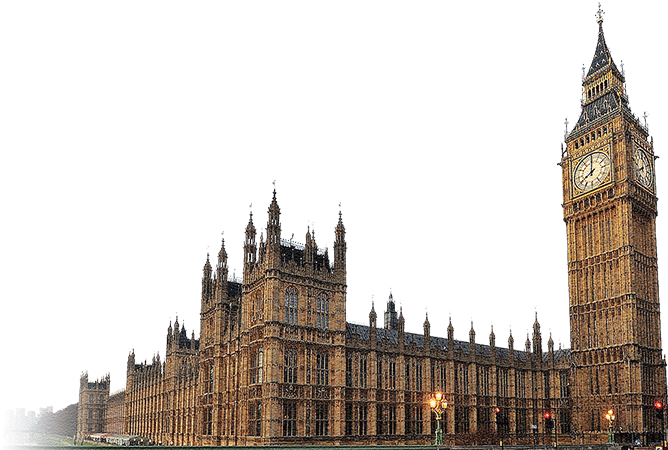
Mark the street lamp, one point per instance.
(438, 405)
(610, 416)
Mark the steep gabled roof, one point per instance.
(602, 57)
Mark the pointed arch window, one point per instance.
(322, 311)
(290, 366)
(256, 366)
(291, 305)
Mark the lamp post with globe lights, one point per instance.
(610, 417)
(438, 405)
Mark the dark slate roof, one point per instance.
(292, 251)
(462, 347)
(598, 108)
(602, 57)
(233, 289)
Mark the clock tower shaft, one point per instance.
(610, 209)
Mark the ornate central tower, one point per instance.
(610, 209)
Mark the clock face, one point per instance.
(591, 171)
(643, 168)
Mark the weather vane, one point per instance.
(600, 14)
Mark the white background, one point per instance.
(133, 133)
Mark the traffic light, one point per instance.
(659, 407)
(549, 422)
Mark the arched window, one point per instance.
(256, 366)
(291, 303)
(260, 366)
(322, 311)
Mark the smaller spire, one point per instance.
(372, 315)
(511, 340)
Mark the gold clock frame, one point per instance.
(577, 192)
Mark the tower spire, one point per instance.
(340, 248)
(273, 232)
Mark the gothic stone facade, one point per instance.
(276, 362)
(98, 411)
(92, 408)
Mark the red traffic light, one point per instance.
(547, 415)
(658, 405)
(496, 410)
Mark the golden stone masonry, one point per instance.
(277, 363)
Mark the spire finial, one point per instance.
(566, 131)
(644, 116)
(600, 14)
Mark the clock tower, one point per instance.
(610, 209)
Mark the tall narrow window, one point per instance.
(322, 311)
(208, 420)
(322, 369)
(379, 419)
(252, 372)
(363, 365)
(255, 366)
(443, 377)
(362, 420)
(392, 419)
(392, 378)
(260, 365)
(289, 418)
(407, 376)
(254, 419)
(349, 370)
(290, 366)
(291, 306)
(321, 419)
